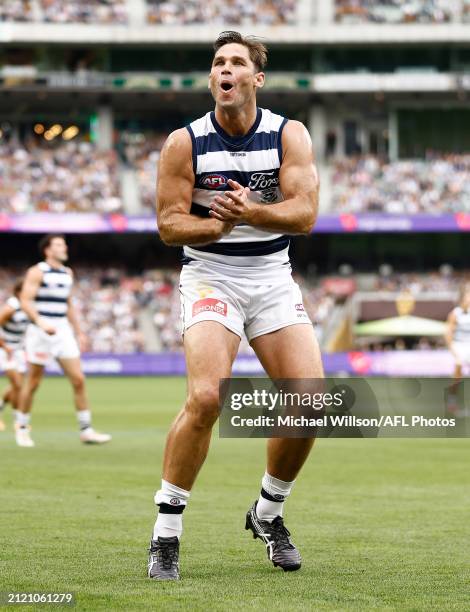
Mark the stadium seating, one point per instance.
(436, 185)
(231, 12)
(396, 11)
(74, 177)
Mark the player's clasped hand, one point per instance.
(235, 207)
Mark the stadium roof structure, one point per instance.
(401, 326)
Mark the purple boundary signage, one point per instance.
(394, 363)
(84, 223)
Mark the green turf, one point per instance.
(382, 524)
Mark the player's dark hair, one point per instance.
(17, 287)
(257, 50)
(45, 242)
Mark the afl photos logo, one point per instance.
(214, 181)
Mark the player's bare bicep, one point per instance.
(175, 174)
(298, 173)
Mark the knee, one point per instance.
(78, 382)
(202, 405)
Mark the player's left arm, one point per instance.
(299, 183)
(73, 318)
(6, 312)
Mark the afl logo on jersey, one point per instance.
(214, 181)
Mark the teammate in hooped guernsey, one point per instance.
(232, 187)
(458, 342)
(55, 332)
(13, 325)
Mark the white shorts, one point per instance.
(251, 309)
(17, 362)
(462, 350)
(40, 347)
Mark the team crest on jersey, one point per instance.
(210, 305)
(213, 181)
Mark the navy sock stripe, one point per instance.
(169, 509)
(268, 496)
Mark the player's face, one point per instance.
(58, 249)
(233, 78)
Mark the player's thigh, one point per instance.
(210, 350)
(72, 368)
(290, 352)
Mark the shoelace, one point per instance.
(281, 532)
(168, 554)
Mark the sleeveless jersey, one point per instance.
(462, 326)
(13, 331)
(54, 291)
(253, 160)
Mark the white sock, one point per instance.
(172, 501)
(271, 500)
(23, 418)
(84, 419)
(2, 404)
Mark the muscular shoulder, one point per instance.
(178, 143)
(295, 138)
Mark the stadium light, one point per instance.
(49, 135)
(39, 128)
(56, 129)
(70, 132)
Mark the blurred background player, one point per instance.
(248, 178)
(13, 325)
(46, 299)
(458, 341)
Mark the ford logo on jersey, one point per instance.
(214, 181)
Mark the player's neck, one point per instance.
(237, 122)
(54, 263)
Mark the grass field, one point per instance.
(381, 524)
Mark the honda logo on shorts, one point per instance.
(210, 305)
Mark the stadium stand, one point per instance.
(231, 12)
(88, 11)
(438, 184)
(398, 11)
(73, 177)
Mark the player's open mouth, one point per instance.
(226, 86)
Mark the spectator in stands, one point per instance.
(230, 12)
(85, 11)
(74, 177)
(438, 184)
(396, 11)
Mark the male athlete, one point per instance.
(13, 325)
(458, 342)
(46, 299)
(230, 187)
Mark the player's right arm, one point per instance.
(28, 294)
(175, 185)
(6, 313)
(450, 331)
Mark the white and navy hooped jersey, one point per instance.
(253, 160)
(14, 330)
(462, 325)
(54, 291)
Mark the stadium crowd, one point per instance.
(399, 11)
(231, 12)
(16, 10)
(438, 184)
(85, 11)
(74, 177)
